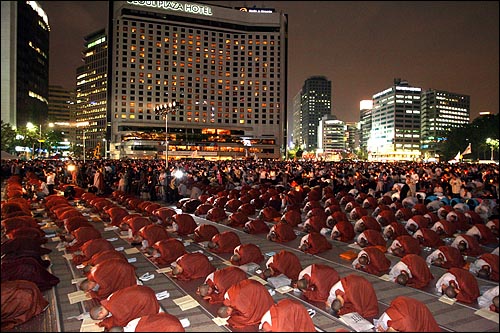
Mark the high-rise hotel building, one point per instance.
(224, 67)
(395, 124)
(442, 111)
(25, 63)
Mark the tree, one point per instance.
(475, 133)
(8, 137)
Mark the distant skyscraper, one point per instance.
(395, 133)
(91, 91)
(331, 135)
(62, 114)
(365, 123)
(224, 67)
(441, 111)
(25, 63)
(316, 102)
(297, 138)
(352, 136)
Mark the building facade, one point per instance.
(316, 102)
(365, 124)
(25, 63)
(61, 117)
(441, 111)
(92, 95)
(395, 132)
(225, 68)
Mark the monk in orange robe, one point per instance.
(218, 282)
(428, 238)
(283, 262)
(28, 268)
(167, 251)
(281, 233)
(191, 266)
(124, 305)
(159, 322)
(343, 231)
(459, 283)
(403, 245)
(205, 232)
(225, 242)
(353, 293)
(256, 226)
(21, 301)
(246, 253)
(316, 280)
(279, 318)
(411, 271)
(406, 314)
(446, 256)
(91, 247)
(245, 303)
(107, 277)
(151, 234)
(183, 224)
(81, 236)
(372, 260)
(314, 243)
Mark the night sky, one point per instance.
(360, 46)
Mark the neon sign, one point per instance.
(191, 8)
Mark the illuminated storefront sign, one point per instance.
(191, 8)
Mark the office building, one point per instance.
(395, 133)
(316, 102)
(442, 111)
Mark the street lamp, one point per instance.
(164, 110)
(493, 143)
(105, 147)
(83, 124)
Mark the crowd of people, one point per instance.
(317, 190)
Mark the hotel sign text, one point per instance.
(191, 8)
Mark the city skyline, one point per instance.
(460, 40)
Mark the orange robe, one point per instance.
(104, 255)
(222, 280)
(129, 303)
(320, 281)
(315, 243)
(285, 262)
(421, 274)
(21, 301)
(82, 235)
(185, 222)
(170, 249)
(492, 260)
(249, 300)
(195, 265)
(410, 315)
(359, 296)
(408, 243)
(345, 230)
(91, 247)
(28, 268)
(112, 275)
(205, 232)
(290, 316)
(153, 233)
(248, 253)
(284, 232)
(226, 241)
(160, 322)
(256, 226)
(378, 262)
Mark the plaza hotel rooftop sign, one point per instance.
(191, 8)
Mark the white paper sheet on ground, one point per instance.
(78, 280)
(357, 322)
(490, 315)
(77, 296)
(68, 256)
(447, 300)
(90, 325)
(220, 321)
(132, 250)
(110, 228)
(385, 277)
(258, 279)
(164, 270)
